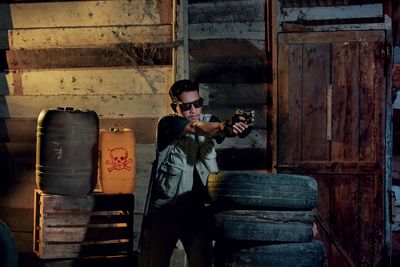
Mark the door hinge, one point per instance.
(385, 51)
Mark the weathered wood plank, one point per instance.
(226, 48)
(368, 107)
(82, 234)
(144, 128)
(91, 81)
(84, 219)
(310, 3)
(88, 36)
(233, 70)
(227, 30)
(344, 214)
(87, 13)
(23, 130)
(295, 27)
(226, 11)
(323, 209)
(314, 141)
(345, 99)
(366, 210)
(282, 96)
(138, 105)
(223, 94)
(334, 37)
(334, 167)
(295, 100)
(127, 55)
(62, 251)
(85, 203)
(333, 12)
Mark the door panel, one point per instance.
(331, 92)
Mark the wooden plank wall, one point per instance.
(113, 57)
(229, 56)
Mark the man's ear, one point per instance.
(173, 106)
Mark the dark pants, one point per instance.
(191, 225)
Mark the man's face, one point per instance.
(185, 100)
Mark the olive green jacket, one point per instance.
(176, 164)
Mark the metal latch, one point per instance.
(392, 207)
(385, 51)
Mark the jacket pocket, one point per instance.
(169, 177)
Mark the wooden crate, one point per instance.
(87, 226)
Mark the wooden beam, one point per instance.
(119, 106)
(123, 55)
(90, 81)
(88, 36)
(84, 13)
(180, 33)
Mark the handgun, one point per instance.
(245, 116)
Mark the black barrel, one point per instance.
(67, 151)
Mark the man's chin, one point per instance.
(193, 118)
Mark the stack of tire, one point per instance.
(263, 219)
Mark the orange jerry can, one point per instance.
(117, 173)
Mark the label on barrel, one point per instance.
(119, 159)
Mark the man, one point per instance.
(186, 154)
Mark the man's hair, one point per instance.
(182, 86)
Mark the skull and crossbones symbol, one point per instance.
(119, 159)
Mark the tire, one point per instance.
(8, 248)
(239, 189)
(309, 254)
(273, 226)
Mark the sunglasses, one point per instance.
(187, 106)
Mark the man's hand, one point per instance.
(232, 130)
(241, 125)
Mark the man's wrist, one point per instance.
(222, 127)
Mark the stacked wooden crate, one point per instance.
(94, 228)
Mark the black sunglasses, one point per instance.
(187, 106)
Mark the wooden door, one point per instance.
(331, 125)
